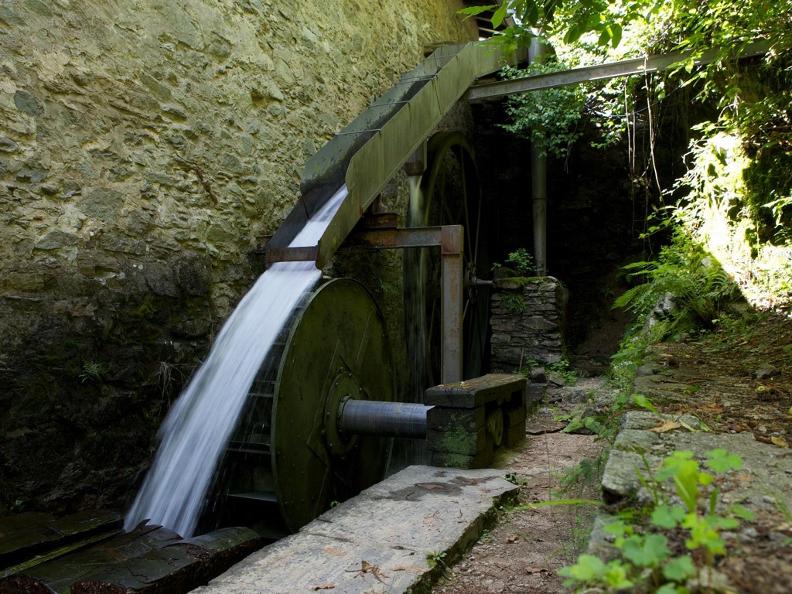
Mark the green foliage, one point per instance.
(563, 368)
(684, 273)
(514, 303)
(92, 371)
(553, 119)
(549, 118)
(435, 559)
(522, 262)
(604, 19)
(645, 559)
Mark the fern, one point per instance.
(699, 285)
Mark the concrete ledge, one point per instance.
(393, 537)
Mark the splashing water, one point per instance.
(198, 426)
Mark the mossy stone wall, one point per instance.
(146, 147)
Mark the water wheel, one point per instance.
(449, 194)
(287, 462)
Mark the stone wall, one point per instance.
(145, 148)
(527, 321)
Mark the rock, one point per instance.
(175, 111)
(7, 145)
(27, 103)
(133, 131)
(538, 375)
(56, 239)
(103, 204)
(646, 369)
(193, 276)
(574, 394)
(600, 542)
(766, 372)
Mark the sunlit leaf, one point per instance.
(668, 516)
(587, 568)
(499, 15)
(679, 569)
(471, 11)
(646, 551)
(719, 460)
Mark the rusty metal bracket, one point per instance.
(450, 240)
(289, 254)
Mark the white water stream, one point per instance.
(195, 432)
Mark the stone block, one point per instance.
(453, 460)
(475, 392)
(469, 443)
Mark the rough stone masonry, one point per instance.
(145, 147)
(527, 322)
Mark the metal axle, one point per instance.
(384, 419)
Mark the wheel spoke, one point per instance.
(463, 176)
(478, 230)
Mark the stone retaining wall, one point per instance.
(145, 148)
(527, 322)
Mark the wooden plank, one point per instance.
(148, 560)
(25, 535)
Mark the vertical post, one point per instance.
(452, 246)
(536, 53)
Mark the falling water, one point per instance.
(199, 425)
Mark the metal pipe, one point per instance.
(386, 419)
(537, 53)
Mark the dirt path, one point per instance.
(523, 552)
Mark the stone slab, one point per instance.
(765, 480)
(393, 537)
(476, 391)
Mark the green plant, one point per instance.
(605, 19)
(686, 501)
(92, 371)
(522, 262)
(549, 118)
(563, 368)
(514, 303)
(684, 287)
(435, 559)
(588, 470)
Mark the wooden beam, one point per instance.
(636, 66)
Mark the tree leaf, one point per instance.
(643, 402)
(668, 516)
(616, 576)
(615, 34)
(742, 512)
(665, 427)
(587, 568)
(499, 15)
(679, 569)
(476, 10)
(646, 551)
(719, 460)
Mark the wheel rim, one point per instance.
(450, 194)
